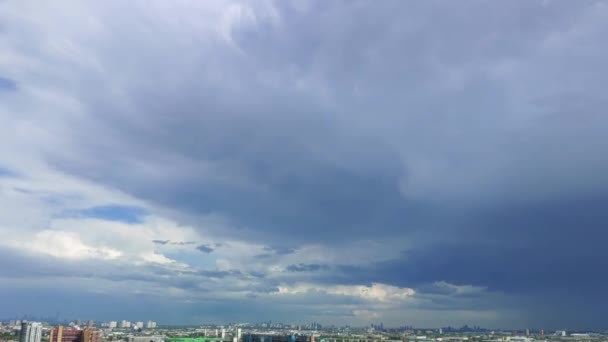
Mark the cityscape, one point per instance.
(149, 331)
(303, 170)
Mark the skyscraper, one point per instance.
(30, 332)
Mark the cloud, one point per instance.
(205, 249)
(374, 292)
(6, 84)
(306, 267)
(374, 154)
(280, 250)
(120, 213)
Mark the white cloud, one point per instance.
(375, 292)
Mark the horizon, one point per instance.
(274, 325)
(434, 163)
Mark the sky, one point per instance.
(425, 163)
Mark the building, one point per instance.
(139, 325)
(30, 332)
(278, 338)
(90, 323)
(125, 324)
(151, 325)
(112, 324)
(60, 334)
(561, 333)
(145, 339)
(239, 333)
(223, 336)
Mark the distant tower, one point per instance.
(527, 332)
(239, 333)
(223, 333)
(542, 332)
(30, 332)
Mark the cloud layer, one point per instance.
(414, 163)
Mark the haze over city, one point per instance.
(423, 163)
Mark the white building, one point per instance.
(151, 325)
(239, 333)
(30, 332)
(112, 324)
(145, 339)
(125, 324)
(223, 334)
(139, 325)
(561, 333)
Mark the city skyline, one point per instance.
(434, 163)
(222, 330)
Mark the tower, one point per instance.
(30, 332)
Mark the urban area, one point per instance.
(125, 331)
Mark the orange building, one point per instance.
(60, 334)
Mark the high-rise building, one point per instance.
(527, 332)
(90, 323)
(151, 325)
(139, 325)
(125, 324)
(112, 324)
(223, 333)
(30, 332)
(239, 333)
(59, 334)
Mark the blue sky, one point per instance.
(424, 163)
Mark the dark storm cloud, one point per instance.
(339, 168)
(205, 248)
